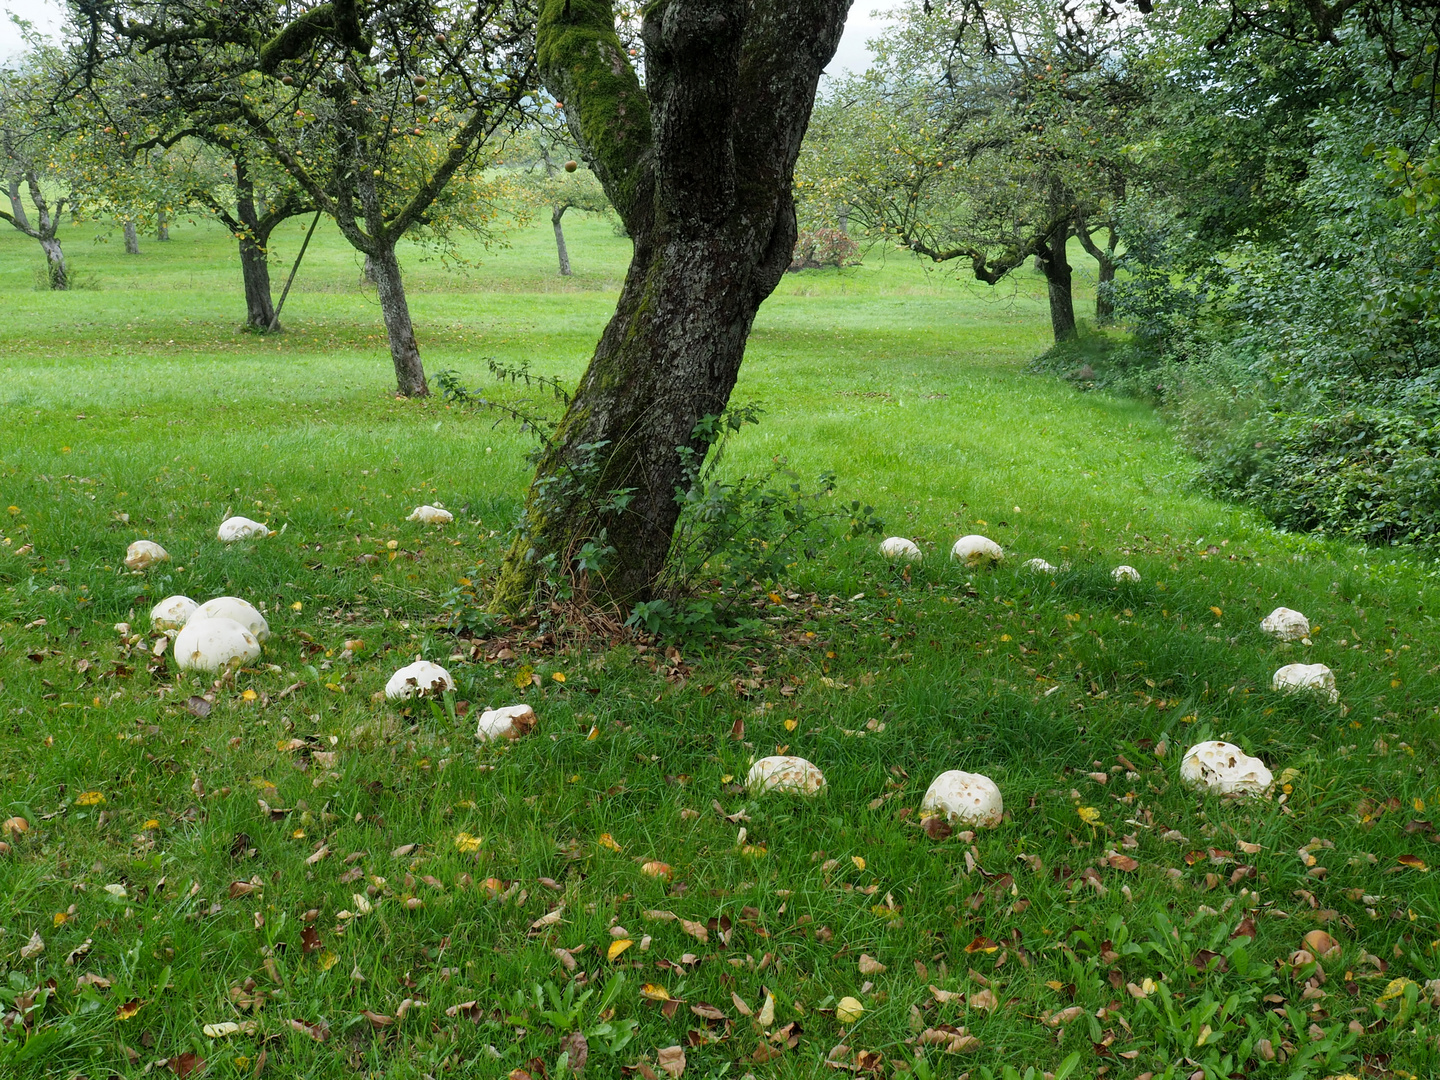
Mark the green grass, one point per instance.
(141, 398)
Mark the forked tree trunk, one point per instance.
(390, 285)
(1105, 264)
(132, 238)
(699, 165)
(254, 259)
(44, 230)
(556, 213)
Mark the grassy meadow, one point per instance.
(282, 874)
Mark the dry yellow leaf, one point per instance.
(464, 842)
(89, 798)
(249, 695)
(558, 676)
(791, 725)
(652, 991)
(849, 1010)
(1088, 814)
(617, 947)
(608, 841)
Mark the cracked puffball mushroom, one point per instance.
(976, 551)
(785, 774)
(1314, 678)
(1286, 624)
(1040, 566)
(232, 607)
(143, 554)
(417, 679)
(212, 644)
(172, 613)
(431, 515)
(509, 722)
(963, 798)
(899, 549)
(1222, 768)
(1125, 573)
(241, 528)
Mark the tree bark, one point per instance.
(56, 272)
(45, 229)
(132, 238)
(1105, 262)
(556, 213)
(699, 165)
(162, 226)
(254, 259)
(1054, 262)
(390, 285)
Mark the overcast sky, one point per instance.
(45, 14)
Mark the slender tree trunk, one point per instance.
(843, 218)
(56, 271)
(254, 259)
(1104, 293)
(409, 373)
(162, 226)
(132, 238)
(556, 213)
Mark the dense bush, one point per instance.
(1281, 280)
(820, 247)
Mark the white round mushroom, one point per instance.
(241, 528)
(976, 551)
(509, 722)
(232, 607)
(786, 774)
(1125, 573)
(212, 644)
(143, 554)
(431, 515)
(172, 613)
(898, 549)
(1311, 678)
(1286, 624)
(1040, 566)
(964, 798)
(417, 679)
(1222, 768)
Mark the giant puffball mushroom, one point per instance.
(1222, 768)
(241, 528)
(1315, 678)
(232, 607)
(431, 515)
(1040, 566)
(785, 774)
(143, 554)
(172, 613)
(1125, 573)
(898, 548)
(212, 644)
(964, 798)
(421, 677)
(1286, 624)
(976, 551)
(509, 722)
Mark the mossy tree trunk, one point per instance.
(699, 165)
